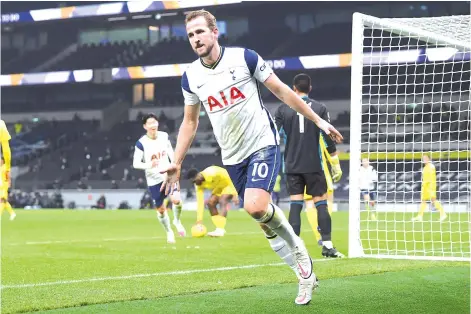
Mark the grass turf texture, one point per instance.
(62, 250)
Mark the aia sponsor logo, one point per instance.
(225, 98)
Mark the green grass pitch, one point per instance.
(56, 261)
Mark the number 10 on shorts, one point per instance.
(260, 170)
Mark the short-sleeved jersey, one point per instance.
(429, 178)
(4, 134)
(230, 94)
(368, 176)
(147, 149)
(302, 151)
(215, 178)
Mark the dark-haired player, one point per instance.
(225, 81)
(303, 162)
(217, 180)
(153, 152)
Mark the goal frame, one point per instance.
(360, 21)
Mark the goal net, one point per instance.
(410, 97)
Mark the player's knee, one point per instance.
(176, 202)
(254, 211)
(321, 198)
(212, 203)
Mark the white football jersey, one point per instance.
(146, 150)
(367, 178)
(230, 94)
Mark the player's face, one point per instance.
(425, 159)
(151, 126)
(201, 37)
(365, 162)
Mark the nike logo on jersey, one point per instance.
(199, 86)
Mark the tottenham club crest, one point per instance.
(232, 73)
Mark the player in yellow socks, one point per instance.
(217, 180)
(429, 189)
(311, 211)
(5, 170)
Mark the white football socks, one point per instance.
(276, 220)
(177, 211)
(279, 247)
(164, 220)
(328, 244)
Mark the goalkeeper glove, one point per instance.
(336, 170)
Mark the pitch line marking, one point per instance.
(113, 239)
(129, 238)
(170, 273)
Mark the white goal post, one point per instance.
(410, 97)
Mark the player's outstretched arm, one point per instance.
(289, 97)
(170, 151)
(187, 132)
(185, 138)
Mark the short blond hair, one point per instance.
(210, 19)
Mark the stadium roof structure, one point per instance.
(106, 9)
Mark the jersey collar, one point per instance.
(150, 138)
(215, 64)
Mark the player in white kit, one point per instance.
(225, 80)
(153, 152)
(368, 178)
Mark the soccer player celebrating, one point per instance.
(303, 163)
(368, 178)
(5, 170)
(153, 152)
(217, 180)
(224, 80)
(311, 211)
(429, 189)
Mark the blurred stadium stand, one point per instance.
(78, 134)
